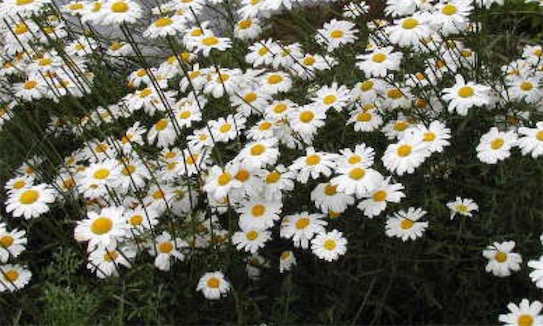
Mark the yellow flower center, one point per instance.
(101, 225)
(19, 184)
(309, 61)
(407, 224)
(128, 170)
(357, 173)
(163, 22)
(330, 190)
(251, 235)
(258, 210)
(210, 41)
(224, 179)
(465, 91)
(302, 223)
(363, 117)
(336, 33)
(110, 256)
(20, 29)
(379, 196)
(525, 320)
(429, 136)
(329, 244)
(449, 9)
(258, 149)
(275, 79)
(379, 57)
(101, 174)
(161, 124)
(165, 247)
(11, 275)
(353, 159)
(29, 197)
(539, 135)
(394, 94)
(23, 2)
(279, 108)
(313, 159)
(184, 114)
(263, 51)
(500, 257)
(264, 126)
(242, 175)
(158, 195)
(462, 208)
(136, 220)
(496, 143)
(244, 24)
(329, 99)
(526, 86)
(250, 97)
(44, 62)
(421, 103)
(306, 116)
(285, 255)
(401, 125)
(225, 128)
(404, 150)
(76, 6)
(273, 177)
(410, 23)
(30, 84)
(213, 283)
(119, 7)
(6, 241)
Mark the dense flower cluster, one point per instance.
(205, 155)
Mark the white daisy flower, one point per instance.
(327, 198)
(329, 245)
(525, 314)
(465, 95)
(166, 250)
(501, 260)
(405, 224)
(213, 285)
(336, 33)
(13, 277)
(313, 164)
(286, 261)
(380, 62)
(102, 228)
(30, 202)
(537, 274)
(496, 145)
(531, 140)
(302, 227)
(406, 155)
(462, 206)
(377, 199)
(12, 243)
(106, 261)
(251, 240)
(258, 213)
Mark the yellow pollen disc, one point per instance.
(258, 210)
(19, 184)
(250, 97)
(222, 77)
(210, 41)
(429, 136)
(539, 135)
(251, 235)
(420, 76)
(500, 257)
(213, 283)
(306, 116)
(401, 125)
(242, 175)
(145, 92)
(165, 247)
(196, 32)
(273, 177)
(274, 79)
(6, 241)
(170, 155)
(449, 9)
(302, 223)
(23, 2)
(119, 7)
(170, 166)
(76, 6)
(115, 46)
(101, 225)
(357, 173)
(263, 51)
(224, 179)
(407, 224)
(336, 34)
(225, 128)
(96, 6)
(130, 169)
(257, 150)
(101, 174)
(363, 117)
(184, 114)
(421, 103)
(136, 220)
(29, 197)
(285, 255)
(410, 23)
(265, 126)
(44, 62)
(110, 256)
(158, 195)
(440, 64)
(163, 22)
(330, 190)
(404, 150)
(496, 143)
(244, 24)
(161, 124)
(313, 159)
(141, 73)
(191, 159)
(525, 320)
(329, 99)
(11, 275)
(466, 53)
(367, 85)
(279, 108)
(329, 244)
(20, 29)
(462, 208)
(465, 92)
(379, 196)
(379, 57)
(394, 94)
(526, 86)
(30, 84)
(354, 159)
(309, 61)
